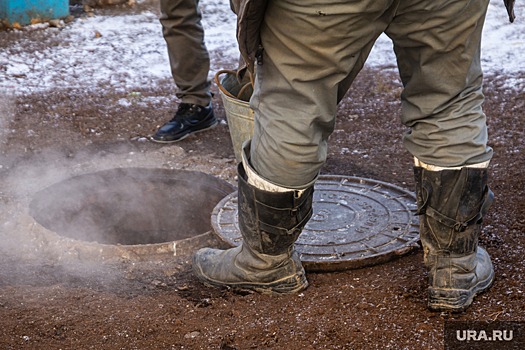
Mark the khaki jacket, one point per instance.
(250, 14)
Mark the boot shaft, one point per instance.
(270, 222)
(452, 204)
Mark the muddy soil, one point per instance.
(52, 298)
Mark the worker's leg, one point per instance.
(189, 59)
(312, 52)
(438, 50)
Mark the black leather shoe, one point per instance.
(189, 119)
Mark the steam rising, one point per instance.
(55, 205)
(7, 111)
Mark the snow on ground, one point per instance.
(128, 51)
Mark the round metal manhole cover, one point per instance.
(356, 223)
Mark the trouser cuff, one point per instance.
(431, 167)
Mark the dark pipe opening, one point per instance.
(130, 206)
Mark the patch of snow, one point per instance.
(128, 51)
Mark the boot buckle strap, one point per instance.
(458, 226)
(293, 230)
(445, 220)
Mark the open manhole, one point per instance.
(356, 223)
(133, 207)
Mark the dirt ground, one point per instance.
(50, 299)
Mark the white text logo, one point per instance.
(473, 335)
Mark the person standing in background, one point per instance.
(190, 65)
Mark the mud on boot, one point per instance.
(241, 268)
(451, 205)
(270, 223)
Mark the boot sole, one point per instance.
(457, 304)
(262, 289)
(185, 135)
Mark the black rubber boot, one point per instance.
(452, 204)
(270, 223)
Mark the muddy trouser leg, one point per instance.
(438, 53)
(312, 52)
(189, 58)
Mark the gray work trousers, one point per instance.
(189, 58)
(313, 50)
